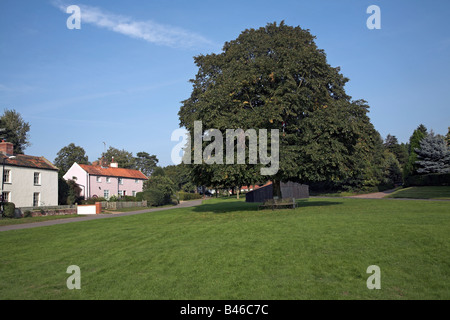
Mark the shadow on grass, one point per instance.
(233, 206)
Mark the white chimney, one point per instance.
(113, 164)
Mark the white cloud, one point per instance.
(20, 89)
(145, 30)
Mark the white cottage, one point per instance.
(28, 181)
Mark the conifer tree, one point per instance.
(433, 155)
(414, 142)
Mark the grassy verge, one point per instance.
(440, 193)
(348, 193)
(140, 208)
(8, 221)
(128, 209)
(227, 249)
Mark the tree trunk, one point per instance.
(276, 189)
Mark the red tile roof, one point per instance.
(256, 186)
(22, 160)
(113, 172)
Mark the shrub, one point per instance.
(188, 196)
(128, 198)
(113, 199)
(434, 179)
(27, 214)
(139, 196)
(9, 209)
(154, 197)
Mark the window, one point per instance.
(136, 180)
(133, 193)
(106, 194)
(7, 176)
(99, 179)
(108, 180)
(36, 198)
(37, 178)
(6, 196)
(120, 180)
(121, 193)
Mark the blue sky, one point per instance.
(119, 80)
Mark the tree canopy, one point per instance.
(68, 155)
(399, 150)
(433, 155)
(16, 130)
(146, 163)
(124, 158)
(447, 137)
(275, 77)
(411, 165)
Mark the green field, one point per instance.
(442, 193)
(226, 249)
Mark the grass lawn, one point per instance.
(423, 193)
(9, 221)
(140, 208)
(226, 249)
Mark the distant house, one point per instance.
(28, 181)
(99, 180)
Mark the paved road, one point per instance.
(185, 204)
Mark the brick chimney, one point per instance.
(6, 148)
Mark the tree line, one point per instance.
(276, 77)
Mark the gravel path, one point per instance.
(376, 195)
(184, 204)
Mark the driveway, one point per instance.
(184, 204)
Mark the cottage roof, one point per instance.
(113, 172)
(22, 160)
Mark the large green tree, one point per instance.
(15, 130)
(180, 175)
(124, 158)
(69, 154)
(146, 163)
(276, 77)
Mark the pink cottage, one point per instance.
(102, 181)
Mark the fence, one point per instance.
(123, 204)
(72, 209)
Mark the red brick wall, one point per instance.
(59, 212)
